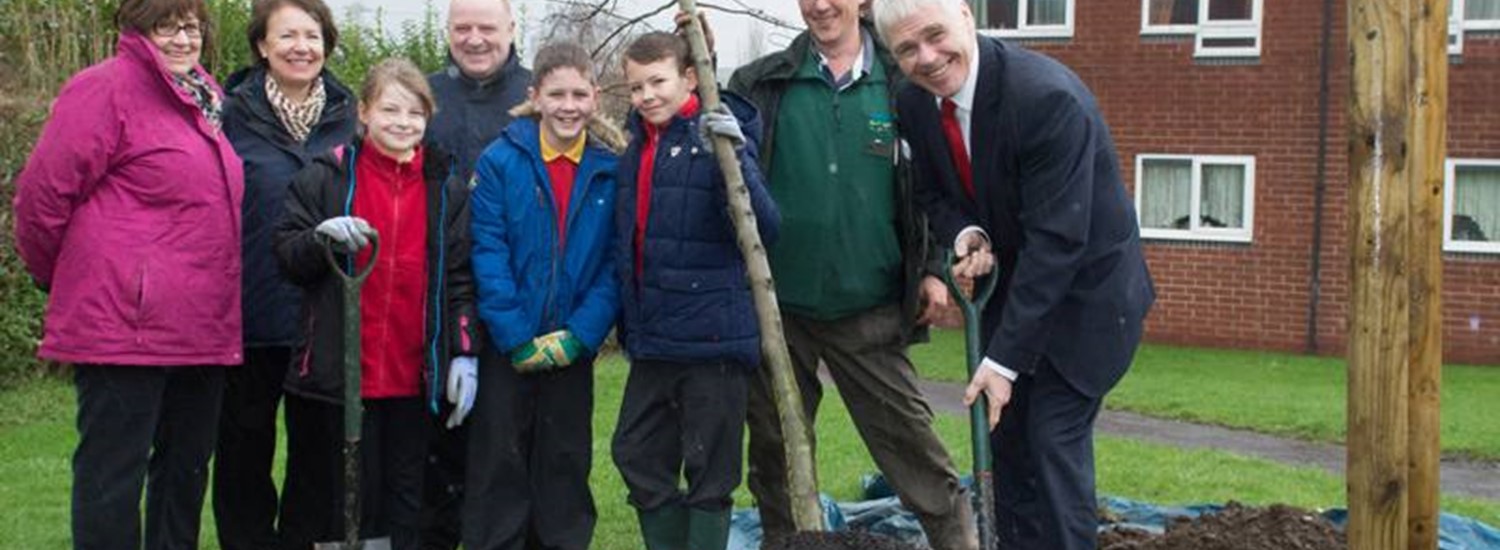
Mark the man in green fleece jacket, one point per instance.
(853, 269)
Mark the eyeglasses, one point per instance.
(169, 29)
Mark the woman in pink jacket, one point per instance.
(128, 212)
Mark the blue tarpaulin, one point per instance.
(882, 513)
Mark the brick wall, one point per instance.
(1159, 99)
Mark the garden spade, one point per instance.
(353, 406)
(979, 427)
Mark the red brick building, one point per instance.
(1229, 144)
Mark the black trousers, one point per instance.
(443, 484)
(245, 500)
(530, 444)
(392, 451)
(682, 420)
(152, 425)
(1044, 465)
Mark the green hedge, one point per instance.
(43, 42)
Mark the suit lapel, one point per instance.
(985, 129)
(930, 133)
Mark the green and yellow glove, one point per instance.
(561, 347)
(529, 358)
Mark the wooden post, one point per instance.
(1397, 129)
(1429, 136)
(802, 486)
(1379, 316)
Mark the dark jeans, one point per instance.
(392, 450)
(142, 424)
(867, 361)
(681, 420)
(245, 500)
(531, 445)
(1044, 465)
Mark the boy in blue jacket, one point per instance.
(688, 322)
(542, 222)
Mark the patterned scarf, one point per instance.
(298, 118)
(209, 101)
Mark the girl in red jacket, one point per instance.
(415, 310)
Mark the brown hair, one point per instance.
(142, 16)
(561, 55)
(658, 45)
(260, 21)
(400, 72)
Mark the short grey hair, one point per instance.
(889, 12)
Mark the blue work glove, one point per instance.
(351, 232)
(720, 122)
(463, 385)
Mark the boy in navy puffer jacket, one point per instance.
(688, 320)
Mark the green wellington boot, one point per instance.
(708, 530)
(665, 528)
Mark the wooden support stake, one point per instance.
(1428, 139)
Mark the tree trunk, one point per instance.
(807, 514)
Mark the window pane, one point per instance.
(1476, 10)
(1166, 193)
(1230, 10)
(1046, 12)
(1476, 203)
(1173, 12)
(1002, 14)
(1223, 198)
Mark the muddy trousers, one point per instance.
(531, 445)
(680, 420)
(1044, 465)
(245, 501)
(138, 425)
(392, 450)
(868, 363)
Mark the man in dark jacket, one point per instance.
(483, 81)
(1014, 156)
(852, 267)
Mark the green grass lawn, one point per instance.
(37, 439)
(1284, 394)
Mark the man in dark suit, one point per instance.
(1042, 202)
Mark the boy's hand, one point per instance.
(529, 358)
(560, 347)
(721, 122)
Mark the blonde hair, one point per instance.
(400, 72)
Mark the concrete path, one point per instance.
(1478, 479)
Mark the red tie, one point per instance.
(956, 147)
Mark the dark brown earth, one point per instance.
(842, 540)
(1236, 527)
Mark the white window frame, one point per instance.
(1205, 29)
(1449, 180)
(1194, 232)
(1474, 24)
(1024, 30)
(1458, 25)
(1169, 29)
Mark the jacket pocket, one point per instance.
(701, 306)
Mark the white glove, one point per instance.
(349, 231)
(721, 122)
(463, 384)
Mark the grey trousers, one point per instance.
(868, 363)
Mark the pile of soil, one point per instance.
(1236, 527)
(841, 540)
